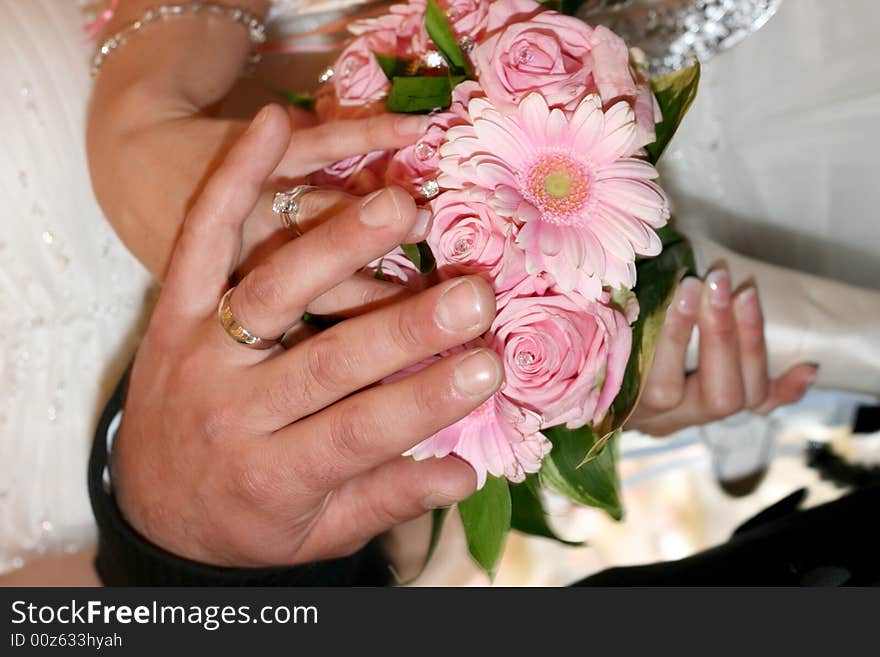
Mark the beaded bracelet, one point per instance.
(256, 28)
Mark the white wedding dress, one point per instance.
(776, 160)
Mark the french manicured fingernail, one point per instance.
(718, 281)
(687, 300)
(477, 374)
(412, 125)
(748, 308)
(460, 307)
(380, 209)
(422, 225)
(259, 119)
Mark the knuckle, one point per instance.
(350, 428)
(256, 484)
(720, 325)
(330, 364)
(407, 334)
(664, 395)
(724, 404)
(261, 290)
(219, 423)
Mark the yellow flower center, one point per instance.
(558, 186)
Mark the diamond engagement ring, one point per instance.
(287, 203)
(238, 332)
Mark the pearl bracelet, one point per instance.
(256, 28)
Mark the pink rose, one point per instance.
(468, 18)
(549, 53)
(616, 79)
(358, 79)
(564, 357)
(468, 237)
(400, 33)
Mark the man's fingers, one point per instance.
(364, 431)
(381, 499)
(719, 372)
(314, 148)
(790, 387)
(752, 345)
(664, 388)
(208, 247)
(361, 351)
(275, 293)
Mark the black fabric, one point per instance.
(830, 545)
(834, 544)
(867, 420)
(125, 558)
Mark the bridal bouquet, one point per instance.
(538, 165)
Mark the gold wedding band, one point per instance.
(286, 204)
(238, 332)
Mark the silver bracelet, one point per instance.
(256, 28)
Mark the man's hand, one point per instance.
(237, 457)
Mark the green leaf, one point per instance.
(675, 93)
(528, 515)
(485, 516)
(419, 94)
(393, 66)
(440, 31)
(421, 256)
(593, 483)
(657, 279)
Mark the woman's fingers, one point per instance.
(752, 345)
(271, 298)
(357, 295)
(721, 382)
(395, 492)
(789, 388)
(208, 247)
(314, 148)
(664, 388)
(361, 351)
(366, 430)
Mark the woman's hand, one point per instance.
(153, 138)
(232, 456)
(732, 373)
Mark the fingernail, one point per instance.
(477, 374)
(380, 209)
(259, 119)
(460, 307)
(437, 501)
(811, 380)
(688, 297)
(422, 224)
(412, 125)
(718, 281)
(748, 308)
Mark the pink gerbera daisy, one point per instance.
(498, 438)
(587, 205)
